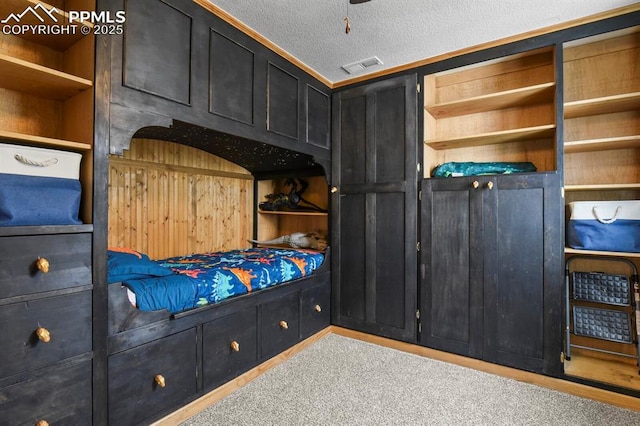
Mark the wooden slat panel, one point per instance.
(166, 200)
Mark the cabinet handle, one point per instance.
(476, 184)
(235, 346)
(43, 334)
(42, 423)
(318, 308)
(159, 379)
(43, 265)
(284, 325)
(490, 185)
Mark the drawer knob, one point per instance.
(318, 308)
(159, 379)
(235, 346)
(490, 185)
(42, 423)
(284, 325)
(43, 334)
(43, 265)
(476, 184)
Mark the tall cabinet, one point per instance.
(602, 162)
(46, 316)
(373, 202)
(492, 245)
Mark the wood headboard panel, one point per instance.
(167, 199)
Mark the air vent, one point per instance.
(362, 64)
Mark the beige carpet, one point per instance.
(341, 381)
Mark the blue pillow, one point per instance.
(125, 264)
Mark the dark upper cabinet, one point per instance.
(491, 269)
(374, 208)
(178, 61)
(231, 75)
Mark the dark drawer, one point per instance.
(62, 396)
(67, 320)
(229, 347)
(315, 310)
(136, 391)
(68, 255)
(280, 325)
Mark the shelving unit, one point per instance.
(602, 162)
(499, 110)
(46, 86)
(273, 224)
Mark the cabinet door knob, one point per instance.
(42, 423)
(490, 185)
(318, 308)
(43, 265)
(159, 379)
(476, 184)
(284, 325)
(43, 334)
(235, 346)
(334, 189)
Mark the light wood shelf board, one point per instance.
(508, 98)
(569, 250)
(604, 371)
(603, 187)
(59, 42)
(603, 144)
(504, 136)
(27, 77)
(48, 142)
(603, 105)
(288, 213)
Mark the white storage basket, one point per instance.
(30, 161)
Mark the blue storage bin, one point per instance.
(604, 225)
(39, 200)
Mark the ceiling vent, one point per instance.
(362, 64)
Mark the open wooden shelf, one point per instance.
(59, 42)
(503, 136)
(603, 105)
(529, 95)
(568, 250)
(27, 77)
(42, 141)
(603, 144)
(292, 213)
(603, 187)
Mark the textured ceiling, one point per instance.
(397, 31)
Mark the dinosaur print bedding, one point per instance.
(202, 279)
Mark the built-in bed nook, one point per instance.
(187, 288)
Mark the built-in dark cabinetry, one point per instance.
(207, 73)
(374, 237)
(490, 278)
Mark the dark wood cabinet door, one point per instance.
(452, 275)
(523, 272)
(491, 284)
(374, 236)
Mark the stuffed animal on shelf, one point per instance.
(313, 240)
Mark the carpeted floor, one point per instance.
(341, 381)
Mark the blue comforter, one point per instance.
(201, 279)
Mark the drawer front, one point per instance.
(68, 257)
(279, 325)
(60, 397)
(229, 347)
(315, 310)
(134, 389)
(67, 319)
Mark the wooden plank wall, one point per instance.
(167, 199)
